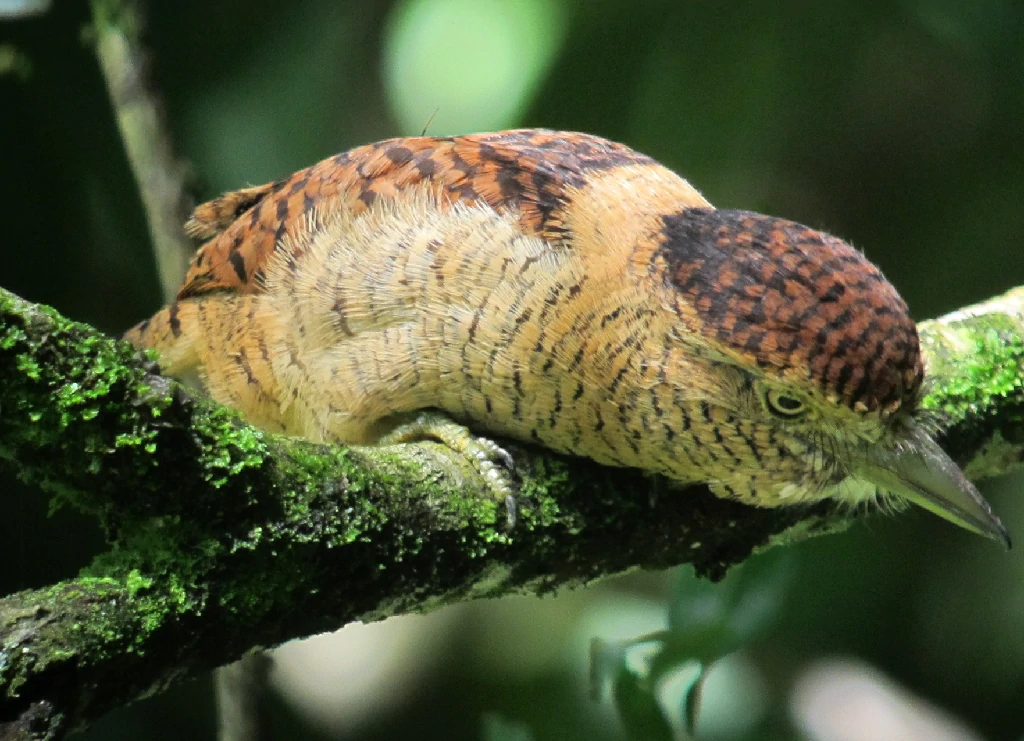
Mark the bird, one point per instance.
(560, 289)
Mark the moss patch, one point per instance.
(972, 382)
(976, 368)
(63, 393)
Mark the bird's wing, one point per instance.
(531, 172)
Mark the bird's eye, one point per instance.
(783, 405)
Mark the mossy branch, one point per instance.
(224, 539)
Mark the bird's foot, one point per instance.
(492, 461)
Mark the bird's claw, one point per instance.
(495, 464)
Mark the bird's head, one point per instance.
(810, 371)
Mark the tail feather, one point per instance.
(213, 217)
(172, 332)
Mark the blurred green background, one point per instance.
(899, 126)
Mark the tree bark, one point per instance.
(225, 539)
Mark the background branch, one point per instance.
(159, 175)
(225, 539)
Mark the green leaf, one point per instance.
(691, 701)
(637, 704)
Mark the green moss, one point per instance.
(64, 393)
(136, 582)
(975, 380)
(91, 624)
(541, 509)
(227, 446)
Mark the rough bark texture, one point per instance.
(224, 539)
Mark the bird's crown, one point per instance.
(796, 302)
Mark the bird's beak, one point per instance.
(923, 474)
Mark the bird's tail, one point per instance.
(172, 332)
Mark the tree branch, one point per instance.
(224, 539)
(159, 175)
